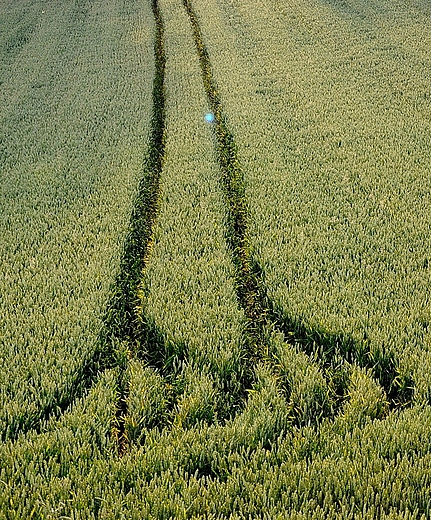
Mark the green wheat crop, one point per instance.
(223, 317)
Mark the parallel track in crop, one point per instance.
(119, 338)
(123, 326)
(262, 314)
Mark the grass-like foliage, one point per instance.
(73, 132)
(217, 317)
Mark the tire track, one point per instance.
(121, 320)
(263, 316)
(248, 289)
(120, 335)
(123, 325)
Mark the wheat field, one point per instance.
(215, 256)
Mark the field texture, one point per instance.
(216, 259)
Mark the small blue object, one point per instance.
(209, 117)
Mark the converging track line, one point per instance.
(125, 333)
(121, 330)
(124, 327)
(262, 314)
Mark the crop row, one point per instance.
(378, 470)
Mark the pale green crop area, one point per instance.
(76, 101)
(221, 317)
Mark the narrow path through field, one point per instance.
(122, 327)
